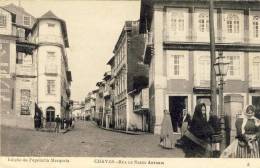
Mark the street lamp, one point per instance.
(221, 69)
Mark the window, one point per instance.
(19, 58)
(203, 22)
(204, 68)
(234, 66)
(26, 21)
(232, 23)
(177, 22)
(256, 68)
(51, 24)
(178, 65)
(2, 20)
(25, 102)
(50, 86)
(256, 28)
(51, 56)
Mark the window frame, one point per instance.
(183, 68)
(29, 20)
(51, 87)
(3, 21)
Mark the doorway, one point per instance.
(256, 103)
(50, 114)
(176, 106)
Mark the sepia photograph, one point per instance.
(129, 82)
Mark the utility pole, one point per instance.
(212, 60)
(214, 114)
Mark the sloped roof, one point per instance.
(16, 9)
(50, 15)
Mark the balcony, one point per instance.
(141, 101)
(51, 69)
(254, 83)
(25, 70)
(148, 51)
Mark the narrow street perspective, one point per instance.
(86, 140)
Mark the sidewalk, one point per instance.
(120, 131)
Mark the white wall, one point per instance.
(50, 34)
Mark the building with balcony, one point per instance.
(7, 64)
(126, 70)
(54, 77)
(177, 51)
(19, 27)
(90, 105)
(34, 69)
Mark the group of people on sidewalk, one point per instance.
(59, 122)
(197, 134)
(63, 123)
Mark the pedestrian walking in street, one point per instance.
(248, 133)
(37, 121)
(196, 140)
(166, 137)
(57, 126)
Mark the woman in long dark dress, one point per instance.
(200, 130)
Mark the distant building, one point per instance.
(90, 105)
(177, 52)
(99, 102)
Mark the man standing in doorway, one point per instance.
(57, 126)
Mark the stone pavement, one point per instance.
(85, 140)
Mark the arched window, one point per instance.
(177, 21)
(256, 22)
(203, 22)
(50, 114)
(256, 68)
(232, 23)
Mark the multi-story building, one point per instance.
(34, 67)
(54, 77)
(128, 53)
(24, 93)
(177, 52)
(108, 117)
(98, 115)
(90, 105)
(7, 66)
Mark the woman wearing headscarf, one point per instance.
(166, 136)
(195, 144)
(248, 134)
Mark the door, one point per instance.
(50, 114)
(176, 106)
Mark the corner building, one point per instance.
(54, 78)
(178, 53)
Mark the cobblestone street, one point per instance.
(86, 140)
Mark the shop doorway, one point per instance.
(176, 106)
(256, 103)
(50, 114)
